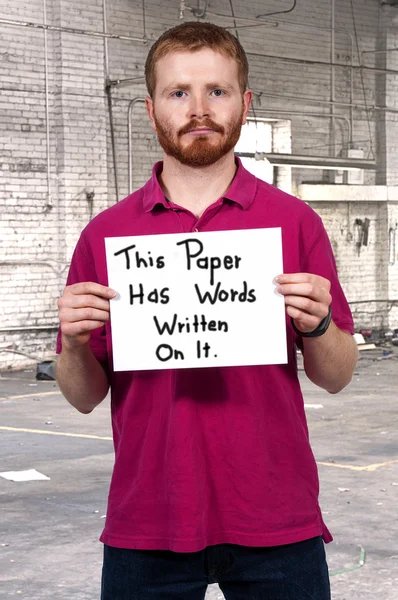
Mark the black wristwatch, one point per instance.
(320, 330)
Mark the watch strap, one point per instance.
(320, 330)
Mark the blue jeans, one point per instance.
(292, 572)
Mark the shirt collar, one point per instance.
(242, 189)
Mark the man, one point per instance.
(214, 477)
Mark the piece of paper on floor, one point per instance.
(29, 475)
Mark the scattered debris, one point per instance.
(48, 422)
(362, 558)
(386, 355)
(343, 489)
(366, 347)
(29, 475)
(316, 406)
(362, 345)
(45, 371)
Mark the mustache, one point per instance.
(195, 124)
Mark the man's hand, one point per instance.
(329, 360)
(82, 308)
(307, 298)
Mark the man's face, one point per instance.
(198, 108)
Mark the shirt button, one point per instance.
(196, 229)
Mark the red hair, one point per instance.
(191, 37)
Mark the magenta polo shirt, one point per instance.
(213, 455)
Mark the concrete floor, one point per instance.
(49, 530)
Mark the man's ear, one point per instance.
(247, 100)
(149, 107)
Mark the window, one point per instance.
(256, 137)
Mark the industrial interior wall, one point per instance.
(359, 236)
(362, 223)
(58, 151)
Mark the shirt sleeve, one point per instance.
(82, 268)
(319, 260)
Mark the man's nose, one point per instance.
(199, 107)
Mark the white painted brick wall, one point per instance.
(43, 230)
(392, 249)
(369, 273)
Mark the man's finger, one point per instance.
(90, 287)
(303, 278)
(74, 329)
(84, 314)
(304, 321)
(315, 309)
(86, 301)
(305, 289)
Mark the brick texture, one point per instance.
(43, 212)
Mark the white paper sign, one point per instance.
(196, 300)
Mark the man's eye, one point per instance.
(218, 93)
(178, 94)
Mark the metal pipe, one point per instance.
(197, 12)
(281, 12)
(352, 89)
(379, 51)
(143, 20)
(49, 199)
(332, 148)
(123, 82)
(72, 30)
(182, 8)
(275, 22)
(129, 141)
(256, 92)
(17, 329)
(145, 41)
(105, 27)
(305, 161)
(310, 100)
(322, 63)
(113, 138)
(34, 358)
(269, 24)
(205, 12)
(390, 301)
(29, 263)
(306, 114)
(48, 146)
(108, 91)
